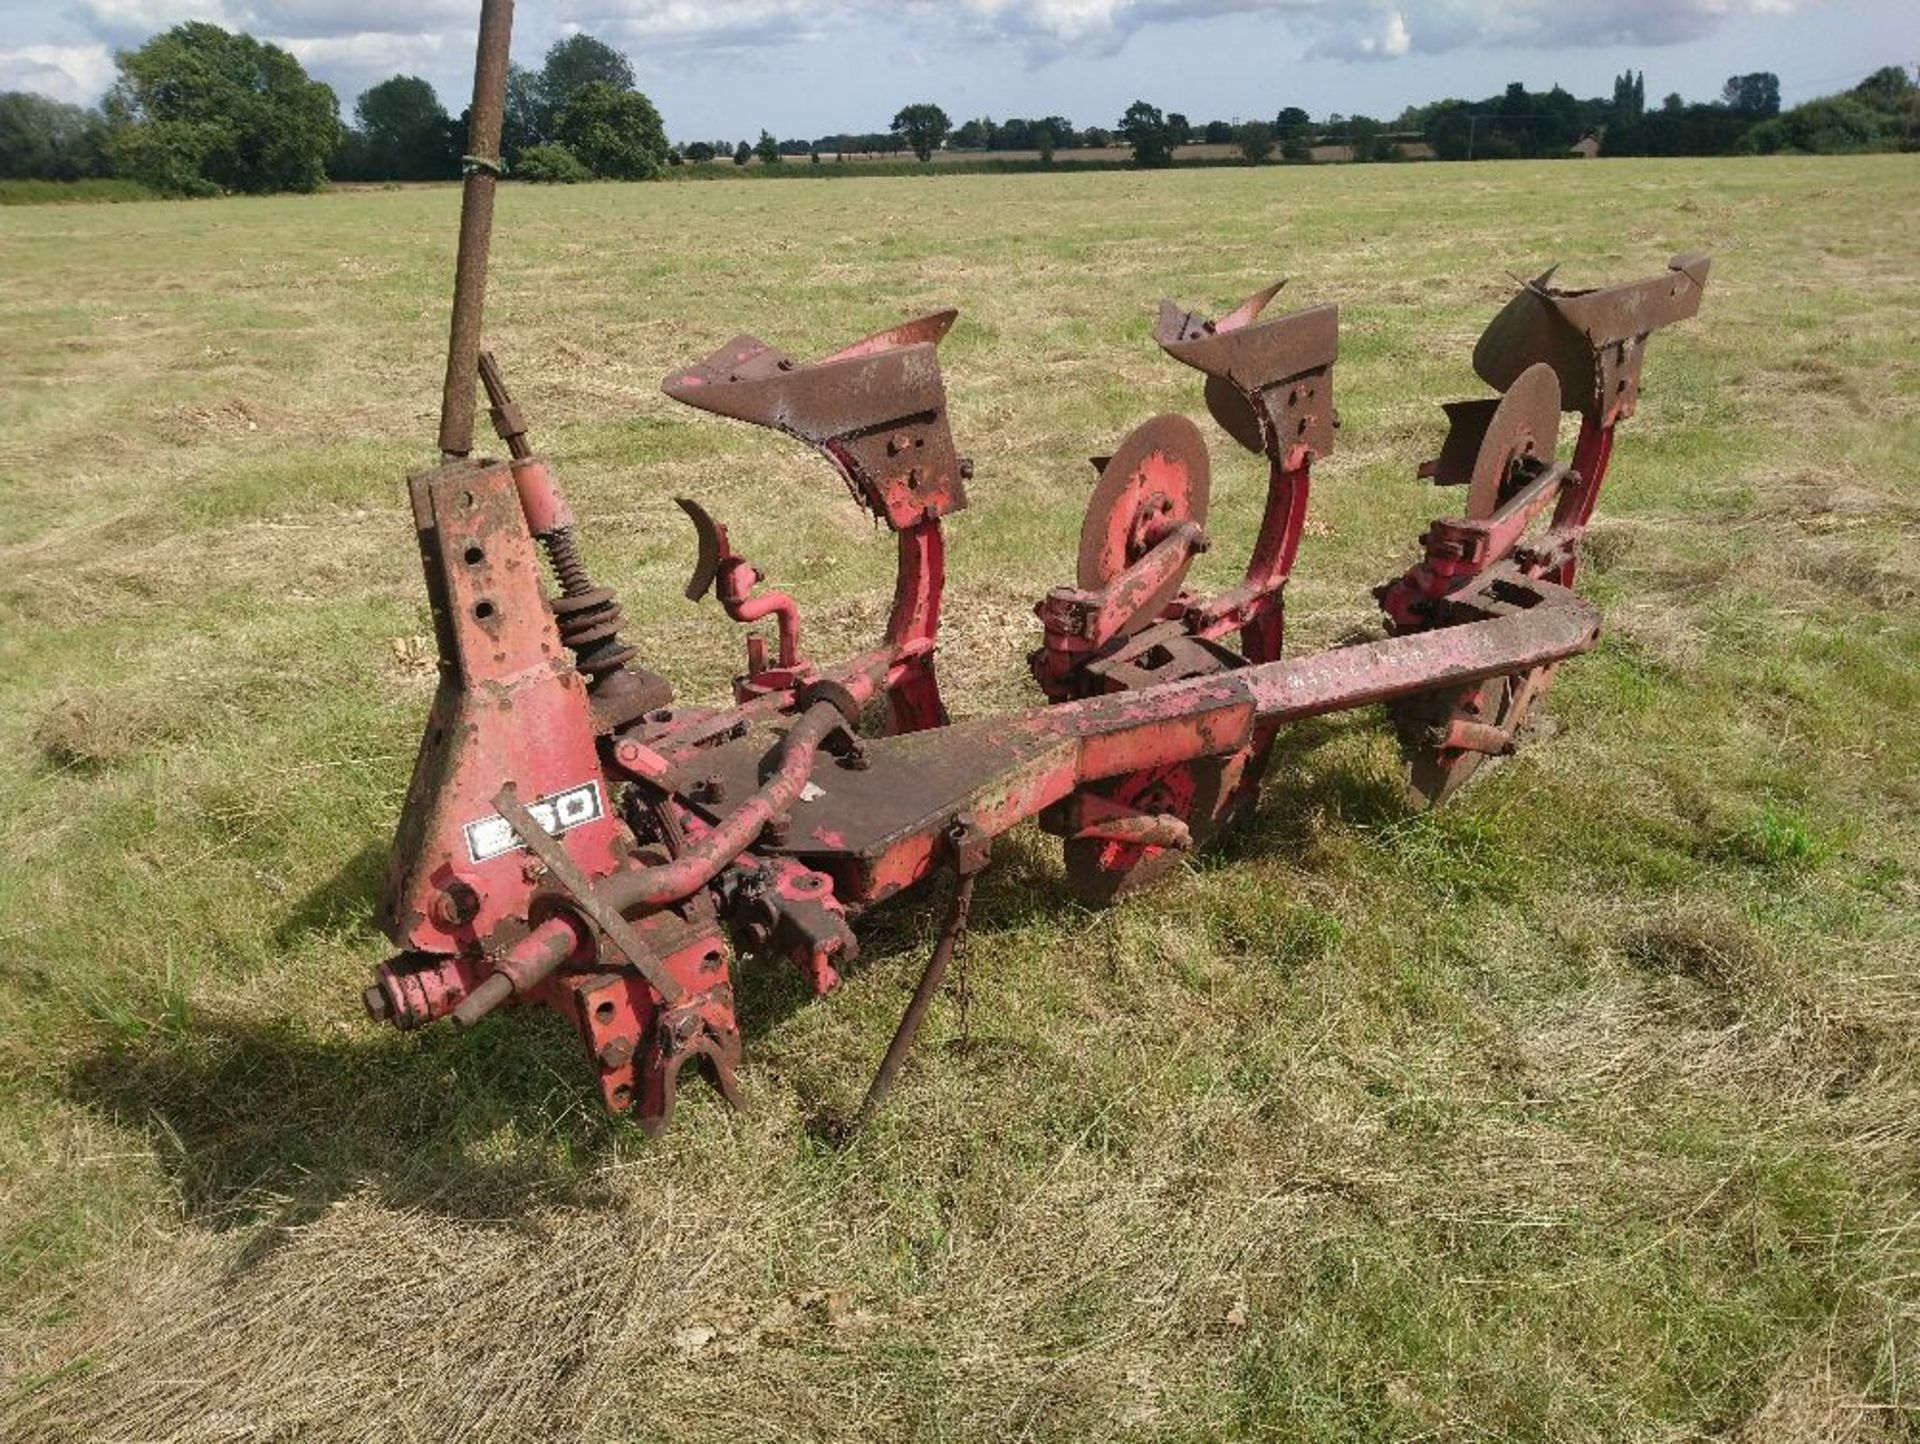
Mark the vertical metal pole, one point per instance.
(482, 167)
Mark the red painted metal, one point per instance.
(732, 578)
(574, 840)
(913, 691)
(511, 706)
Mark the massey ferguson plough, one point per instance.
(575, 838)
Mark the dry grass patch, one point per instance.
(1582, 1110)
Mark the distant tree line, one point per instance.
(1882, 112)
(579, 116)
(199, 110)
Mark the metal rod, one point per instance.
(654, 887)
(507, 419)
(548, 848)
(527, 964)
(482, 167)
(923, 995)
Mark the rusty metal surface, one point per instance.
(1078, 621)
(968, 849)
(921, 330)
(710, 540)
(1269, 383)
(589, 617)
(700, 862)
(877, 410)
(510, 705)
(850, 819)
(1521, 431)
(597, 911)
(1123, 834)
(1595, 340)
(572, 840)
(870, 826)
(1156, 479)
(481, 163)
(1166, 652)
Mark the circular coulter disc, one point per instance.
(1525, 426)
(1156, 480)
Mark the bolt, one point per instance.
(777, 830)
(710, 789)
(457, 903)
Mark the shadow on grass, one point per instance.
(1303, 787)
(263, 1120)
(268, 1120)
(345, 900)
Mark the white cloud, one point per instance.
(1392, 39)
(73, 73)
(340, 19)
(352, 63)
(713, 26)
(1047, 29)
(356, 42)
(128, 22)
(1385, 29)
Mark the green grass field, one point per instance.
(1585, 1109)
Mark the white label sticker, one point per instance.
(490, 836)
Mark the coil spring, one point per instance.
(589, 617)
(568, 565)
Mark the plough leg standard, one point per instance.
(572, 837)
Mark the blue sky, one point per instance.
(724, 68)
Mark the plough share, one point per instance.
(575, 838)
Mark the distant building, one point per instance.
(1587, 147)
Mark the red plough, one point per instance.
(575, 838)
